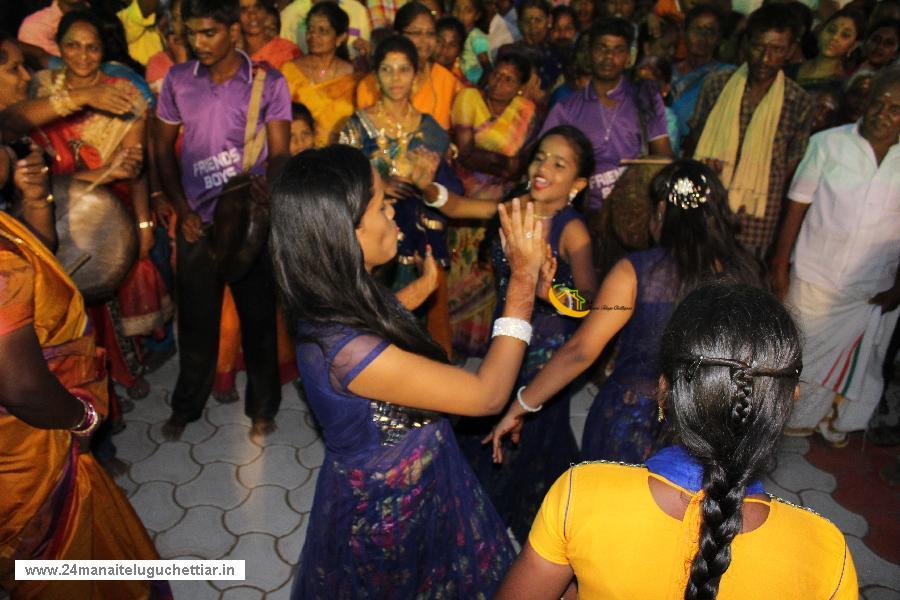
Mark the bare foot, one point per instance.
(173, 429)
(261, 428)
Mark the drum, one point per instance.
(240, 230)
(98, 241)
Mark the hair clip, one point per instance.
(691, 371)
(685, 193)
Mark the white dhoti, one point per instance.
(844, 346)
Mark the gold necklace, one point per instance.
(324, 70)
(394, 125)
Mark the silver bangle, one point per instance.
(524, 406)
(442, 198)
(513, 327)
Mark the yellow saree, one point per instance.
(330, 102)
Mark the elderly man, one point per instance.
(753, 124)
(843, 225)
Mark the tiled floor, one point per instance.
(216, 494)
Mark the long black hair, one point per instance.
(700, 239)
(318, 200)
(731, 358)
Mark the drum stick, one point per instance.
(111, 166)
(78, 264)
(645, 161)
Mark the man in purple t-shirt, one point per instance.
(616, 115)
(209, 99)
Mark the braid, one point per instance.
(740, 403)
(731, 358)
(721, 521)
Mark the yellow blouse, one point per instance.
(601, 519)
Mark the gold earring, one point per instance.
(661, 416)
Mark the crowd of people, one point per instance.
(694, 204)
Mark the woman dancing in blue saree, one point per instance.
(397, 513)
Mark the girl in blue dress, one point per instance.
(694, 233)
(557, 174)
(397, 512)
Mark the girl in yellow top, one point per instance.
(695, 523)
(323, 80)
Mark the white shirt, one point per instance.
(850, 238)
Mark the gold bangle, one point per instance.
(44, 203)
(146, 224)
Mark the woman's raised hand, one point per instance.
(425, 166)
(522, 238)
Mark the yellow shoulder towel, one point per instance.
(748, 181)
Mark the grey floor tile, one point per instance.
(152, 409)
(282, 593)
(226, 414)
(194, 433)
(797, 445)
(164, 378)
(794, 473)
(291, 399)
(171, 462)
(262, 567)
(290, 545)
(582, 400)
(577, 424)
(127, 484)
(200, 533)
(187, 589)
(880, 593)
(871, 569)
(266, 510)
(154, 503)
(216, 485)
(301, 498)
(231, 444)
(293, 430)
(779, 492)
(277, 465)
(243, 593)
(825, 505)
(132, 443)
(312, 455)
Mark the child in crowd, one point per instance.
(451, 37)
(476, 56)
(303, 128)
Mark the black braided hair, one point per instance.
(731, 357)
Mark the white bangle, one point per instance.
(524, 406)
(513, 327)
(442, 198)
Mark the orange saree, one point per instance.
(56, 502)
